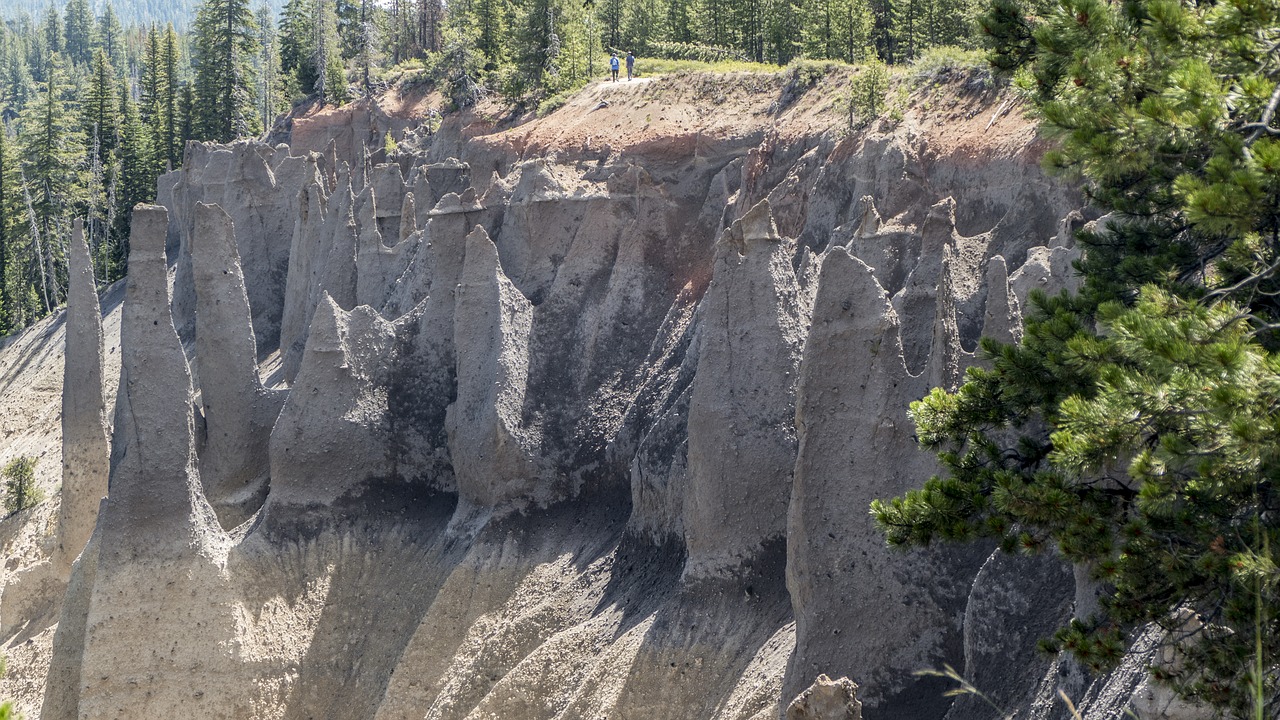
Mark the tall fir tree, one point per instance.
(149, 84)
(79, 32)
(52, 30)
(135, 183)
(223, 48)
(100, 107)
(1133, 430)
(538, 44)
(8, 214)
(297, 43)
(52, 171)
(109, 36)
(167, 145)
(430, 26)
(270, 92)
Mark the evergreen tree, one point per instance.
(538, 44)
(223, 41)
(79, 32)
(270, 94)
(1134, 428)
(331, 78)
(50, 169)
(836, 29)
(52, 30)
(16, 85)
(882, 32)
(906, 29)
(644, 24)
(679, 21)
(110, 36)
(100, 107)
(430, 25)
(8, 212)
(135, 183)
(350, 17)
(490, 20)
(150, 83)
(297, 43)
(612, 17)
(167, 145)
(186, 115)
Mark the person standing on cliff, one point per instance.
(631, 64)
(613, 67)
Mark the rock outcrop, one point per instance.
(536, 426)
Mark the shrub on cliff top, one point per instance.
(867, 89)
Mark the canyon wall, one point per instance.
(577, 419)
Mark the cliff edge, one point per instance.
(573, 417)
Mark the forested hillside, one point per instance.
(130, 12)
(98, 100)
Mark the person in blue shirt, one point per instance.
(613, 66)
(631, 63)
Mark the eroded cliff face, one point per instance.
(579, 419)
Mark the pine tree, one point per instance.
(679, 20)
(297, 43)
(270, 94)
(79, 32)
(51, 172)
(1134, 429)
(8, 212)
(110, 36)
(644, 24)
(612, 17)
(149, 84)
(538, 44)
(883, 37)
(52, 31)
(186, 115)
(349, 18)
(906, 29)
(100, 106)
(135, 183)
(223, 41)
(430, 25)
(331, 78)
(165, 122)
(836, 29)
(16, 84)
(490, 20)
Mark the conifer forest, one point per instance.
(99, 99)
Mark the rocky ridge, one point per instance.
(532, 425)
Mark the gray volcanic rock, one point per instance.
(495, 454)
(742, 442)
(238, 411)
(332, 432)
(305, 265)
(827, 699)
(590, 435)
(855, 446)
(86, 453)
(240, 178)
(31, 595)
(160, 544)
(157, 508)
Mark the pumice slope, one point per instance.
(579, 418)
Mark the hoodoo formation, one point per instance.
(539, 422)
